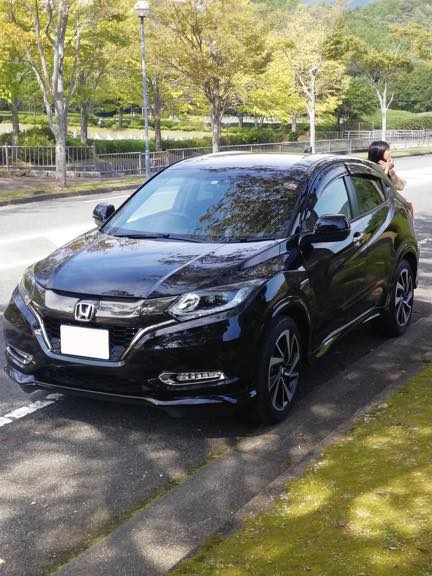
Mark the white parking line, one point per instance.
(51, 234)
(112, 198)
(26, 410)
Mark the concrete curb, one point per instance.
(246, 479)
(56, 195)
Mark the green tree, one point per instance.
(358, 100)
(211, 44)
(315, 53)
(98, 49)
(15, 83)
(47, 36)
(383, 68)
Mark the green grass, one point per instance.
(49, 186)
(394, 118)
(364, 510)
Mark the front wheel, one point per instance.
(278, 372)
(397, 318)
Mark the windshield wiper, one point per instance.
(151, 235)
(234, 239)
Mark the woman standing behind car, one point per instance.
(379, 152)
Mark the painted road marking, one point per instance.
(29, 409)
(52, 234)
(112, 198)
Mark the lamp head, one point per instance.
(142, 9)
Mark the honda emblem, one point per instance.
(84, 311)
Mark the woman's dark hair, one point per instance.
(377, 150)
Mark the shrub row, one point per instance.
(418, 123)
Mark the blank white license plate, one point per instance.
(87, 342)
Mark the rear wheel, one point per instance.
(397, 318)
(278, 372)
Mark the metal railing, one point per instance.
(391, 135)
(44, 157)
(84, 160)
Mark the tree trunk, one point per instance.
(84, 124)
(240, 120)
(15, 121)
(157, 114)
(312, 111)
(294, 123)
(120, 119)
(158, 133)
(383, 122)
(60, 143)
(216, 117)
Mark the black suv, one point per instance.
(215, 282)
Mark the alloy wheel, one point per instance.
(404, 297)
(283, 372)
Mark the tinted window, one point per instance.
(221, 204)
(369, 193)
(333, 200)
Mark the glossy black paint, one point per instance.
(329, 277)
(102, 212)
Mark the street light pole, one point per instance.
(142, 9)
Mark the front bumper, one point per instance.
(223, 343)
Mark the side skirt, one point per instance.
(328, 342)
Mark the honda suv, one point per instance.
(215, 282)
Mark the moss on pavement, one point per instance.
(364, 510)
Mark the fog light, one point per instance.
(181, 378)
(19, 356)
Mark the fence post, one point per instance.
(94, 156)
(6, 157)
(140, 164)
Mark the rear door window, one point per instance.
(369, 193)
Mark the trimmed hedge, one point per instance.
(423, 122)
(230, 137)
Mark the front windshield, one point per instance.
(220, 204)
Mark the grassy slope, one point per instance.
(364, 510)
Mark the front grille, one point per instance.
(119, 336)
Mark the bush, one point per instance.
(230, 137)
(37, 136)
(35, 119)
(114, 146)
(422, 122)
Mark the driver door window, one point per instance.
(333, 199)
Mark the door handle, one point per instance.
(360, 238)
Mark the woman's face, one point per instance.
(387, 156)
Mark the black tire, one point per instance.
(395, 320)
(278, 374)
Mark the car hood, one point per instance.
(96, 264)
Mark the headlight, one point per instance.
(27, 285)
(211, 301)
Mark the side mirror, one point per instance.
(332, 228)
(102, 212)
